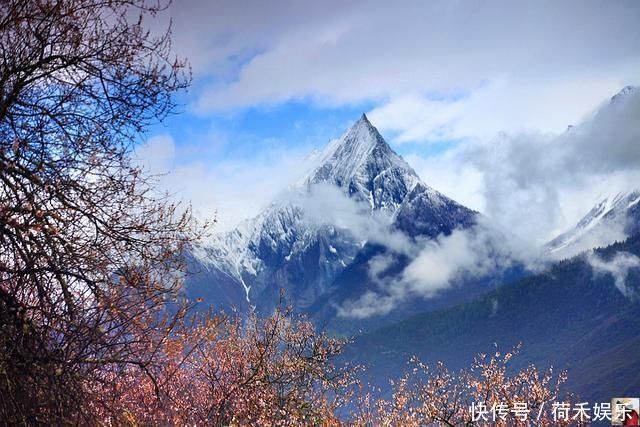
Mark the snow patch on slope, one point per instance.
(605, 223)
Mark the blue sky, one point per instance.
(292, 125)
(273, 80)
(240, 133)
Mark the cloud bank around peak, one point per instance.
(439, 265)
(538, 185)
(500, 105)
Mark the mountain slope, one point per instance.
(572, 317)
(614, 218)
(425, 212)
(291, 246)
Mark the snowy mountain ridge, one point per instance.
(283, 247)
(615, 217)
(625, 92)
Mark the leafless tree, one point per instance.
(89, 252)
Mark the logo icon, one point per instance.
(624, 411)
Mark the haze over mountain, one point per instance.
(616, 215)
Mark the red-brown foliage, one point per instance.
(438, 396)
(221, 371)
(88, 249)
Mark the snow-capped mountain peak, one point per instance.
(365, 167)
(289, 246)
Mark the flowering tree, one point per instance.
(221, 371)
(88, 251)
(279, 371)
(484, 394)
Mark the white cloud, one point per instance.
(451, 175)
(538, 185)
(502, 105)
(439, 265)
(370, 304)
(157, 154)
(227, 189)
(518, 64)
(598, 236)
(439, 262)
(619, 268)
(327, 204)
